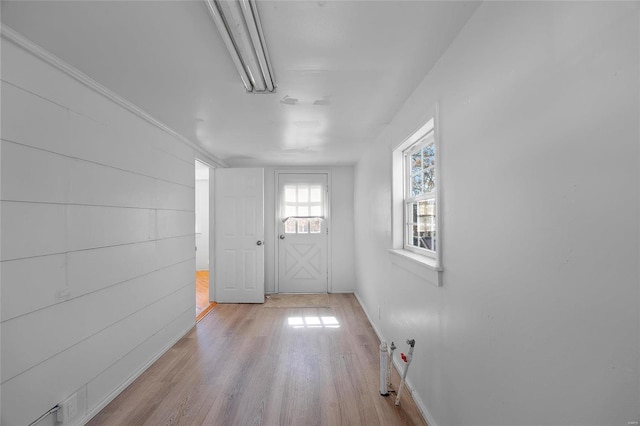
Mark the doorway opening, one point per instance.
(204, 302)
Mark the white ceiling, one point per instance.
(363, 58)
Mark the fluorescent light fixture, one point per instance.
(239, 25)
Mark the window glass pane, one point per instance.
(429, 234)
(316, 211)
(416, 162)
(429, 180)
(414, 212)
(429, 150)
(428, 241)
(414, 238)
(303, 210)
(422, 224)
(290, 226)
(303, 194)
(427, 208)
(316, 194)
(428, 156)
(416, 185)
(315, 226)
(303, 226)
(290, 194)
(422, 243)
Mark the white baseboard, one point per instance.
(399, 368)
(95, 410)
(373, 325)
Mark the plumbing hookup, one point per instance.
(386, 361)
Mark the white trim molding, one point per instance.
(38, 51)
(421, 266)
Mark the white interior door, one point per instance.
(239, 235)
(302, 233)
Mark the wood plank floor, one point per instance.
(247, 364)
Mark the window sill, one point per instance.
(421, 266)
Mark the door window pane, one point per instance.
(290, 194)
(290, 211)
(290, 226)
(303, 194)
(315, 226)
(316, 194)
(303, 226)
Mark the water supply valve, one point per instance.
(407, 359)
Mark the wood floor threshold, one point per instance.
(206, 311)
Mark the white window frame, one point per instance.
(422, 262)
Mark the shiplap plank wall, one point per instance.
(97, 240)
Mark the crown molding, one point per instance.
(38, 51)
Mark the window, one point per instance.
(420, 195)
(416, 197)
(302, 207)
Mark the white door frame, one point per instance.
(212, 234)
(212, 293)
(276, 180)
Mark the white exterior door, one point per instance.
(302, 233)
(239, 235)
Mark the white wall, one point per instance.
(342, 249)
(538, 320)
(97, 241)
(202, 224)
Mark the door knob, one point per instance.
(259, 243)
(281, 237)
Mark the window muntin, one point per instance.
(420, 196)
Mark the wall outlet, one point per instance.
(68, 409)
